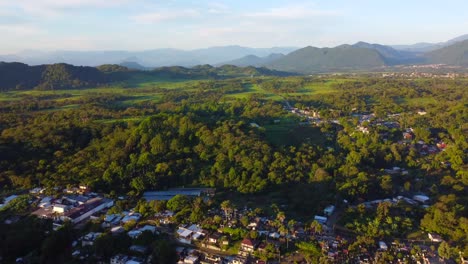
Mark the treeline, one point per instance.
(19, 76)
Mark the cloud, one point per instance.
(217, 8)
(20, 30)
(164, 15)
(292, 12)
(56, 8)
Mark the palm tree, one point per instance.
(227, 207)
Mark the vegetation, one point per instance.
(248, 144)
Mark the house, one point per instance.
(37, 190)
(274, 235)
(165, 217)
(119, 259)
(247, 245)
(149, 228)
(421, 198)
(45, 202)
(137, 232)
(139, 249)
(134, 261)
(407, 136)
(238, 260)
(8, 199)
(60, 208)
(383, 245)
(131, 217)
(84, 189)
(320, 219)
(88, 239)
(191, 259)
(435, 237)
(117, 230)
(214, 238)
(187, 234)
(329, 210)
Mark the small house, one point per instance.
(434, 237)
(247, 245)
(329, 210)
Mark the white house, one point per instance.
(60, 208)
(434, 237)
(329, 210)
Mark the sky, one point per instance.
(150, 24)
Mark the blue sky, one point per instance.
(146, 24)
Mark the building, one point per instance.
(84, 211)
(421, 198)
(247, 245)
(191, 260)
(8, 199)
(187, 234)
(119, 259)
(321, 219)
(329, 210)
(60, 208)
(435, 237)
(169, 194)
(88, 239)
(214, 238)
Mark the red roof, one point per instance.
(247, 242)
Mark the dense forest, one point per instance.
(202, 136)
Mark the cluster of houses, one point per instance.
(75, 205)
(268, 234)
(424, 148)
(114, 225)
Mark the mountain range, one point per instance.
(150, 58)
(364, 56)
(360, 56)
(427, 47)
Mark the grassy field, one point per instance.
(324, 87)
(252, 89)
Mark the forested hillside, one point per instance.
(18, 76)
(341, 58)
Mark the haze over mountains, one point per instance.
(150, 58)
(357, 57)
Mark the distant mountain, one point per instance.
(149, 58)
(341, 58)
(134, 66)
(252, 60)
(427, 47)
(455, 54)
(391, 55)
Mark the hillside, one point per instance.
(252, 60)
(456, 54)
(48, 77)
(341, 58)
(19, 76)
(391, 55)
(208, 71)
